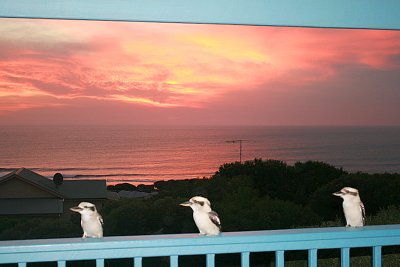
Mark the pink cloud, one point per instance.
(174, 65)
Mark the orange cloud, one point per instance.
(140, 100)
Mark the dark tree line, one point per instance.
(254, 195)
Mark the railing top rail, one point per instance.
(264, 236)
(329, 13)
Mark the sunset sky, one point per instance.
(55, 72)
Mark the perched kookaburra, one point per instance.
(206, 220)
(353, 208)
(91, 220)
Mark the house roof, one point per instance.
(69, 189)
(79, 189)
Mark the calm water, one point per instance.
(145, 154)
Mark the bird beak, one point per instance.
(76, 209)
(338, 194)
(186, 204)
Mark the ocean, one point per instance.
(144, 154)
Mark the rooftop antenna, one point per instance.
(240, 147)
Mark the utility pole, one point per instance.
(240, 147)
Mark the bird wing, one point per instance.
(362, 212)
(100, 219)
(214, 218)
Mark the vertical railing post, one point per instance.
(245, 259)
(312, 258)
(61, 264)
(22, 264)
(345, 257)
(280, 258)
(173, 261)
(210, 260)
(100, 263)
(377, 256)
(137, 262)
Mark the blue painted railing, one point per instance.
(376, 14)
(173, 246)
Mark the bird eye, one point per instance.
(201, 203)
